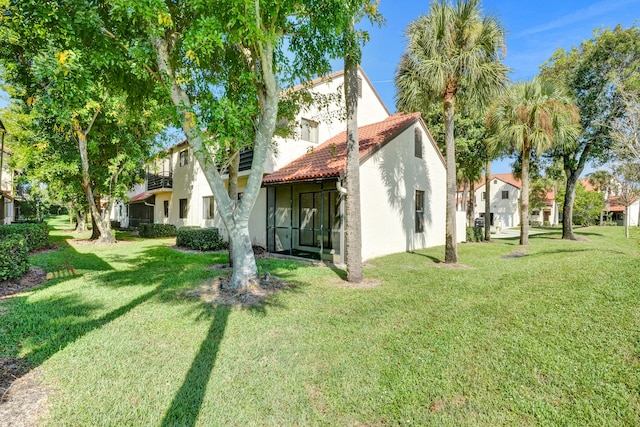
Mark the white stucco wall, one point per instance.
(388, 181)
(371, 109)
(633, 213)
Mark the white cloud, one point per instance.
(596, 9)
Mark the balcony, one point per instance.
(158, 183)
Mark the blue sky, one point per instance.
(535, 29)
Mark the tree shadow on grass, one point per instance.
(186, 404)
(432, 258)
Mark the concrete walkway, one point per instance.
(513, 232)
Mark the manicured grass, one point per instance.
(549, 338)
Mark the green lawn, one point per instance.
(550, 338)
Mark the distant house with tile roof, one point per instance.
(505, 202)
(300, 209)
(615, 210)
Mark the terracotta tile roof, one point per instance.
(329, 159)
(586, 184)
(140, 197)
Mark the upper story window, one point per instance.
(183, 157)
(505, 195)
(309, 130)
(483, 195)
(417, 141)
(359, 87)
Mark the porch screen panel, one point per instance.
(308, 219)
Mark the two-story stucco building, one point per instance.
(300, 209)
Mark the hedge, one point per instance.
(157, 230)
(200, 239)
(475, 234)
(35, 234)
(14, 261)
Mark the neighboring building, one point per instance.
(505, 203)
(7, 197)
(614, 210)
(403, 195)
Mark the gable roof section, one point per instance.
(140, 197)
(504, 177)
(329, 159)
(339, 74)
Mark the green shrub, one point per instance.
(14, 261)
(157, 230)
(201, 239)
(475, 234)
(36, 235)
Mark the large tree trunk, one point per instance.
(451, 246)
(567, 206)
(353, 232)
(245, 270)
(232, 189)
(104, 227)
(81, 221)
(572, 170)
(524, 199)
(487, 202)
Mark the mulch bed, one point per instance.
(11, 369)
(33, 278)
(216, 291)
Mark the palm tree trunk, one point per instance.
(471, 204)
(524, 197)
(487, 202)
(451, 248)
(353, 233)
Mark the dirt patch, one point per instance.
(216, 291)
(24, 402)
(11, 369)
(366, 283)
(518, 253)
(33, 278)
(455, 266)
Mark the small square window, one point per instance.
(419, 211)
(184, 157)
(505, 195)
(417, 141)
(207, 207)
(183, 208)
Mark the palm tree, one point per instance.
(453, 51)
(532, 117)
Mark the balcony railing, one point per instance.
(159, 182)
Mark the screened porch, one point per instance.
(305, 220)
